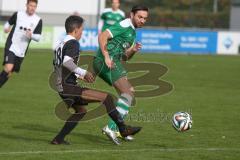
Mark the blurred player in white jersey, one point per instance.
(23, 26)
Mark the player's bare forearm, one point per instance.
(103, 38)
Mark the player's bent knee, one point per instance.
(132, 90)
(129, 99)
(109, 103)
(81, 110)
(8, 68)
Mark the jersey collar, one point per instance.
(115, 11)
(130, 22)
(69, 37)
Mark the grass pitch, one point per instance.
(207, 86)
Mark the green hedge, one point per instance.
(188, 19)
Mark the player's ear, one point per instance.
(131, 15)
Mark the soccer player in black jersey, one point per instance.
(66, 73)
(26, 26)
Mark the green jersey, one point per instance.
(123, 37)
(110, 17)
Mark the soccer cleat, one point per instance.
(111, 135)
(128, 130)
(128, 138)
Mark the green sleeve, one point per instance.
(103, 16)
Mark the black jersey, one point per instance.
(68, 47)
(17, 41)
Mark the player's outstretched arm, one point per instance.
(12, 20)
(68, 62)
(36, 34)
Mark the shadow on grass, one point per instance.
(22, 138)
(44, 129)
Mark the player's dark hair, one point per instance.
(139, 8)
(28, 1)
(73, 22)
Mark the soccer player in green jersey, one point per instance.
(110, 16)
(117, 44)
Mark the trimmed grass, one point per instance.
(206, 85)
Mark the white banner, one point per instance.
(228, 43)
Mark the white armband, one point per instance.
(6, 25)
(81, 72)
(68, 63)
(36, 37)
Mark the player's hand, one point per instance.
(89, 77)
(29, 33)
(137, 47)
(109, 63)
(7, 30)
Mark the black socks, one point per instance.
(70, 125)
(113, 113)
(3, 78)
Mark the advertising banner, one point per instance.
(228, 43)
(172, 41)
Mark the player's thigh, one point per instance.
(102, 70)
(93, 95)
(110, 76)
(84, 94)
(122, 85)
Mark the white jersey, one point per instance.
(17, 41)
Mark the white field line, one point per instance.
(120, 150)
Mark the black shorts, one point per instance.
(71, 95)
(11, 58)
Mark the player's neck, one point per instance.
(114, 9)
(134, 25)
(29, 14)
(72, 35)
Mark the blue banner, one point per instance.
(162, 41)
(89, 40)
(177, 41)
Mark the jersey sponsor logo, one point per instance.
(118, 18)
(130, 35)
(32, 25)
(110, 22)
(126, 45)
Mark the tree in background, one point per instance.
(184, 13)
